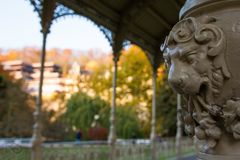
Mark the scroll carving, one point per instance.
(195, 54)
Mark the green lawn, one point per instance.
(87, 153)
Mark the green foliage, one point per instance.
(166, 109)
(134, 84)
(134, 100)
(134, 89)
(134, 74)
(81, 110)
(127, 123)
(16, 114)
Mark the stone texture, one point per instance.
(203, 57)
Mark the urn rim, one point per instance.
(192, 6)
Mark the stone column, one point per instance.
(203, 55)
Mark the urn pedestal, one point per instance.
(202, 53)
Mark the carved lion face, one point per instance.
(193, 53)
(189, 65)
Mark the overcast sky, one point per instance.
(19, 27)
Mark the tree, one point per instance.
(133, 83)
(16, 108)
(81, 110)
(84, 112)
(166, 108)
(127, 123)
(134, 89)
(134, 93)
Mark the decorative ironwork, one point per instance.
(126, 43)
(107, 33)
(60, 10)
(38, 5)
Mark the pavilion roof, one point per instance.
(142, 22)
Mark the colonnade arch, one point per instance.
(48, 11)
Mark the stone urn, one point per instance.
(202, 53)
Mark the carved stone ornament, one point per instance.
(202, 53)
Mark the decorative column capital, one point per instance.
(117, 46)
(48, 11)
(47, 14)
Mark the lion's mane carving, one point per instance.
(195, 54)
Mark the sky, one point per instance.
(20, 27)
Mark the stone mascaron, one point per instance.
(202, 52)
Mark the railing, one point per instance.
(97, 150)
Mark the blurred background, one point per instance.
(77, 88)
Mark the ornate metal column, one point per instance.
(153, 121)
(48, 10)
(155, 60)
(202, 51)
(37, 138)
(117, 46)
(45, 10)
(179, 128)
